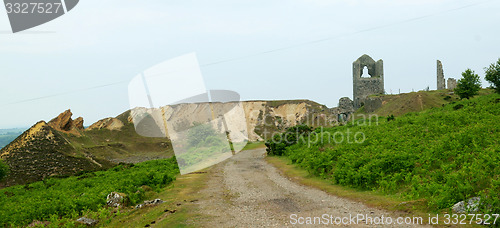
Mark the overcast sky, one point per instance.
(109, 42)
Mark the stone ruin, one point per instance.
(366, 85)
(440, 76)
(452, 83)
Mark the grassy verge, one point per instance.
(178, 210)
(254, 145)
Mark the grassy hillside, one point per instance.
(62, 201)
(400, 104)
(439, 156)
(123, 145)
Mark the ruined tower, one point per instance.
(452, 83)
(440, 76)
(366, 85)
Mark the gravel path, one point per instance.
(246, 191)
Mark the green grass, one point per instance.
(254, 145)
(63, 200)
(400, 104)
(439, 156)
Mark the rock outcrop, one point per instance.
(262, 118)
(107, 123)
(471, 205)
(41, 152)
(116, 199)
(64, 123)
(87, 221)
(149, 203)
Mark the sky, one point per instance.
(262, 49)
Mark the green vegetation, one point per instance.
(469, 85)
(53, 199)
(493, 75)
(4, 170)
(439, 156)
(279, 142)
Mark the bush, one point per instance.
(493, 75)
(469, 85)
(4, 170)
(278, 143)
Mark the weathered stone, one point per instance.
(87, 221)
(115, 199)
(366, 86)
(78, 123)
(452, 83)
(372, 104)
(472, 205)
(149, 203)
(107, 123)
(440, 76)
(345, 109)
(64, 123)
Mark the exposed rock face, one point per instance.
(262, 118)
(115, 199)
(64, 123)
(471, 206)
(149, 203)
(87, 221)
(452, 83)
(440, 76)
(41, 152)
(78, 123)
(364, 86)
(108, 123)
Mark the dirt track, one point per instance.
(246, 191)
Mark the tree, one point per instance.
(4, 170)
(493, 75)
(468, 85)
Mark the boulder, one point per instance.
(116, 199)
(87, 221)
(149, 203)
(472, 205)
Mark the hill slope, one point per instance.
(439, 157)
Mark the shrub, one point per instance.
(469, 85)
(278, 143)
(493, 75)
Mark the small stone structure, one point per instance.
(440, 76)
(364, 86)
(345, 109)
(452, 83)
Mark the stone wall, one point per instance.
(452, 83)
(440, 76)
(366, 86)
